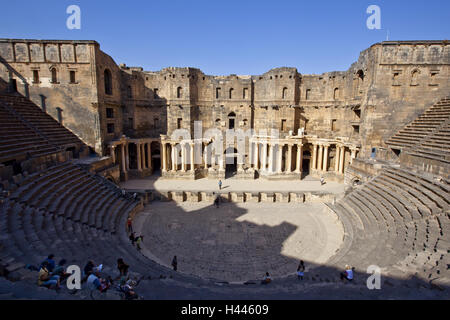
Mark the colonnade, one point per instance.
(320, 157)
(273, 161)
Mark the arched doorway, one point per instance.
(231, 155)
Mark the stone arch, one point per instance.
(284, 93)
(231, 120)
(336, 94)
(54, 74)
(414, 77)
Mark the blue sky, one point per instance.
(229, 37)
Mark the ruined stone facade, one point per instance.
(324, 121)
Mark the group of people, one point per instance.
(135, 240)
(52, 275)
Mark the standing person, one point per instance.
(139, 240)
(216, 200)
(220, 184)
(123, 267)
(301, 270)
(322, 181)
(130, 225)
(132, 238)
(174, 263)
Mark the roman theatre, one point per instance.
(341, 168)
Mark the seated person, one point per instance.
(44, 278)
(128, 289)
(95, 282)
(60, 270)
(267, 279)
(347, 274)
(50, 263)
(88, 269)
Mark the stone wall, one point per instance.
(22, 59)
(387, 87)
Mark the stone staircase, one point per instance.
(19, 141)
(424, 127)
(33, 115)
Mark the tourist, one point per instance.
(132, 238)
(50, 261)
(267, 279)
(95, 282)
(129, 225)
(44, 278)
(88, 269)
(220, 184)
(123, 267)
(322, 181)
(135, 196)
(347, 274)
(128, 289)
(301, 270)
(60, 270)
(174, 263)
(139, 240)
(216, 200)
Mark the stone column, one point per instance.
(319, 158)
(164, 157)
(341, 159)
(270, 157)
(280, 158)
(325, 159)
(124, 162)
(221, 162)
(336, 163)
(191, 145)
(353, 156)
(113, 154)
(138, 156)
(183, 157)
(264, 157)
(255, 159)
(174, 163)
(314, 159)
(127, 156)
(289, 159)
(298, 167)
(149, 155)
(144, 165)
(205, 156)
